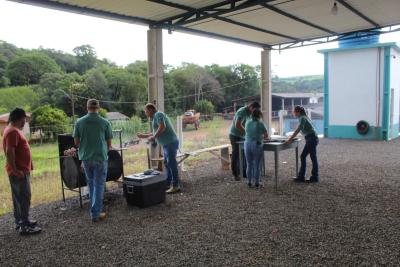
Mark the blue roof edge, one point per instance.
(356, 47)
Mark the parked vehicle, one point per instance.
(191, 117)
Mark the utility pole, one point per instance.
(72, 103)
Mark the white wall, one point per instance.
(395, 84)
(355, 86)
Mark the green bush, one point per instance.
(205, 107)
(12, 97)
(51, 121)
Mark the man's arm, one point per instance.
(77, 141)
(239, 125)
(109, 144)
(10, 155)
(160, 130)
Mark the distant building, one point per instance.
(362, 89)
(4, 123)
(116, 116)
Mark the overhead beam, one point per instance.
(192, 10)
(357, 12)
(222, 37)
(288, 15)
(229, 7)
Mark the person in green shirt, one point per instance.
(164, 134)
(308, 131)
(93, 135)
(237, 133)
(256, 132)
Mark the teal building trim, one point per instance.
(326, 94)
(386, 95)
(350, 132)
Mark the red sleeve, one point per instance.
(12, 139)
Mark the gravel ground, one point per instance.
(352, 217)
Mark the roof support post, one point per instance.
(155, 67)
(155, 74)
(266, 88)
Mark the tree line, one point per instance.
(55, 78)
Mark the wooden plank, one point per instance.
(208, 149)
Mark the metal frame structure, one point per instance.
(79, 189)
(221, 11)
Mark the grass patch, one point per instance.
(46, 184)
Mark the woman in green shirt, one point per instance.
(253, 146)
(307, 130)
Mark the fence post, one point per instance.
(281, 123)
(179, 131)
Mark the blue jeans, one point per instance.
(96, 174)
(171, 166)
(253, 151)
(310, 148)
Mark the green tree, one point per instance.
(86, 57)
(29, 68)
(67, 62)
(204, 107)
(9, 51)
(12, 97)
(50, 121)
(3, 66)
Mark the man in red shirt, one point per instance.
(19, 166)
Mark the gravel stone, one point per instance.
(351, 217)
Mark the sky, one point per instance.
(30, 27)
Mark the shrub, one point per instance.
(204, 107)
(51, 121)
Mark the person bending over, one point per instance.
(237, 133)
(308, 131)
(164, 134)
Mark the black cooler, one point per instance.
(144, 190)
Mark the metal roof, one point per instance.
(269, 23)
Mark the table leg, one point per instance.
(240, 160)
(276, 168)
(297, 161)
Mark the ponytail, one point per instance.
(300, 110)
(256, 115)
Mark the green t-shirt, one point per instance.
(306, 126)
(241, 114)
(255, 130)
(169, 135)
(93, 132)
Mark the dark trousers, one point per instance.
(21, 196)
(235, 166)
(309, 148)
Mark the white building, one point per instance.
(362, 83)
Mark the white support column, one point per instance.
(266, 89)
(155, 68)
(155, 74)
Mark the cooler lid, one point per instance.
(140, 178)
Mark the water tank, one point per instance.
(359, 38)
